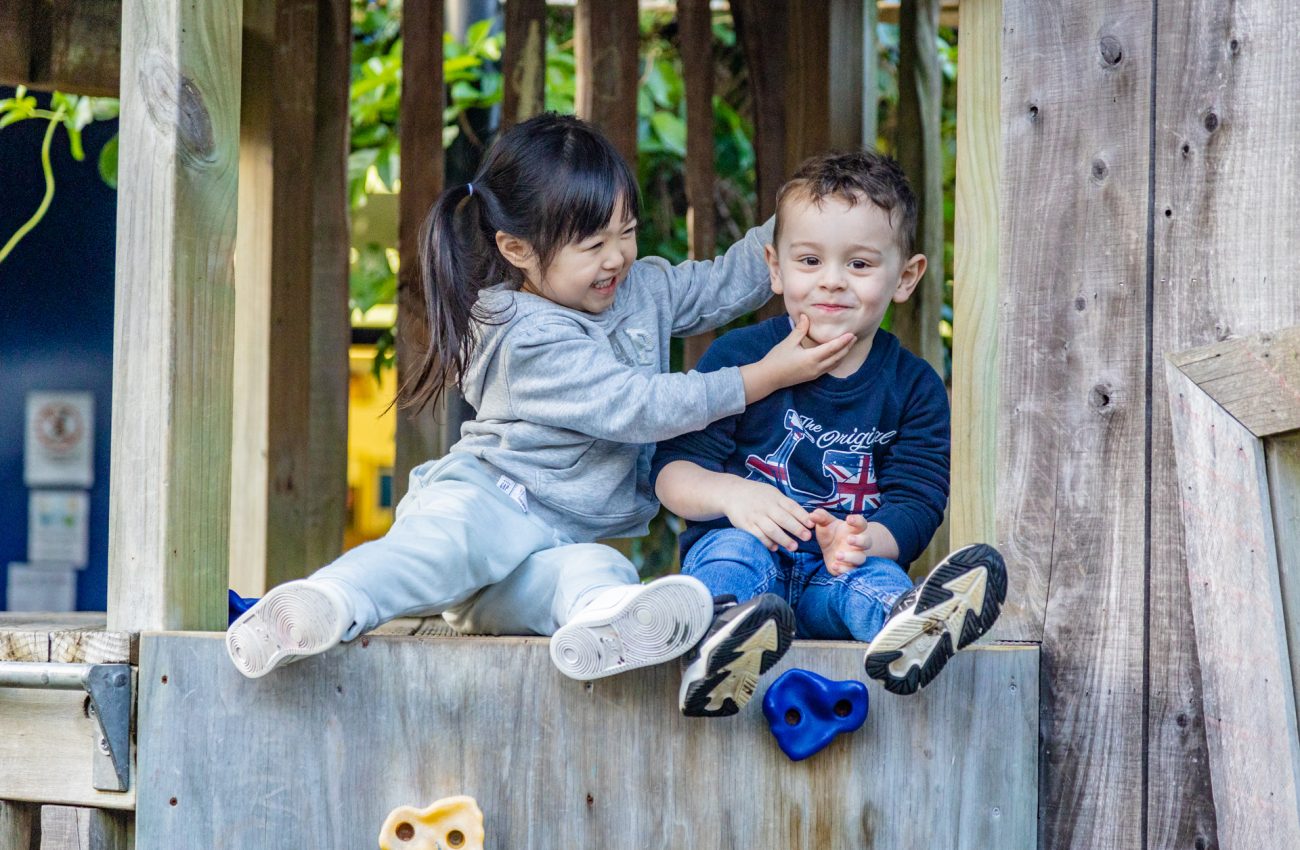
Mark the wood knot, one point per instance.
(1211, 121)
(1112, 52)
(1080, 303)
(1033, 113)
(1099, 170)
(1099, 398)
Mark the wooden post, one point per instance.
(761, 28)
(422, 179)
(919, 148)
(331, 334)
(523, 63)
(173, 333)
(15, 50)
(870, 72)
(975, 283)
(270, 480)
(20, 825)
(695, 22)
(606, 41)
(848, 96)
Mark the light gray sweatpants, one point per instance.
(462, 547)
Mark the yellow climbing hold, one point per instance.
(452, 823)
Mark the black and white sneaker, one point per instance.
(743, 643)
(957, 602)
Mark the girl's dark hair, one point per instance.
(551, 180)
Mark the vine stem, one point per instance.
(49, 190)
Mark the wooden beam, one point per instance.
(1246, 669)
(761, 30)
(606, 41)
(975, 278)
(20, 826)
(848, 97)
(418, 437)
(272, 402)
(695, 26)
(331, 322)
(808, 80)
(69, 45)
(484, 708)
(919, 148)
(1257, 379)
(173, 332)
(16, 48)
(523, 62)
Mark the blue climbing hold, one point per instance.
(806, 711)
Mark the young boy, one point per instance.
(818, 496)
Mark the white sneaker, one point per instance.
(636, 625)
(295, 620)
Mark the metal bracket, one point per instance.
(111, 701)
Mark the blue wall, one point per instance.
(56, 320)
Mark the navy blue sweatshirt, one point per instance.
(873, 443)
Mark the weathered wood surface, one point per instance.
(1236, 603)
(554, 762)
(68, 828)
(695, 25)
(606, 42)
(173, 332)
(69, 45)
(47, 748)
(975, 278)
(1256, 379)
(20, 826)
(1071, 487)
(761, 30)
(418, 436)
(850, 91)
(1222, 217)
(523, 61)
(1282, 461)
(919, 147)
(28, 637)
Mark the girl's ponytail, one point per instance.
(450, 277)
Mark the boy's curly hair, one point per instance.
(854, 176)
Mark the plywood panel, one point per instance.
(554, 762)
(173, 331)
(1071, 488)
(1236, 602)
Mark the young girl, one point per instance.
(558, 337)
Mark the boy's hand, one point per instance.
(767, 513)
(789, 363)
(845, 543)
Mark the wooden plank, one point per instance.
(975, 278)
(919, 149)
(85, 46)
(1220, 217)
(606, 46)
(1256, 379)
(172, 347)
(418, 437)
(20, 826)
(1232, 568)
(273, 375)
(15, 51)
(94, 646)
(1071, 488)
(47, 750)
(64, 828)
(325, 499)
(1282, 459)
(523, 61)
(26, 637)
(695, 25)
(408, 720)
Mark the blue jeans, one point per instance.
(848, 607)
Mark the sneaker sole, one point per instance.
(656, 625)
(714, 685)
(963, 597)
(293, 621)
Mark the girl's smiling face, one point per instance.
(584, 275)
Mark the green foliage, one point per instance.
(73, 114)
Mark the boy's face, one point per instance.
(840, 265)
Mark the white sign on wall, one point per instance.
(42, 587)
(59, 440)
(57, 526)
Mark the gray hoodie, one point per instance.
(570, 404)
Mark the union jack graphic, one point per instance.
(853, 474)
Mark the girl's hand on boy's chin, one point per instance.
(789, 363)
